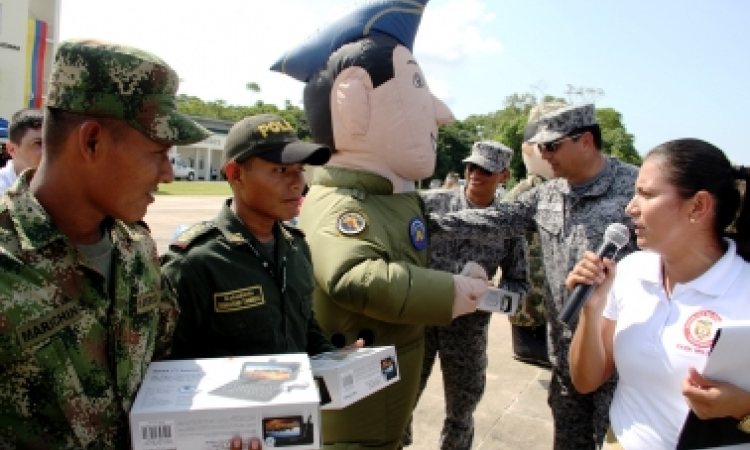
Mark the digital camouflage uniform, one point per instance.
(531, 311)
(568, 224)
(72, 348)
(212, 265)
(462, 345)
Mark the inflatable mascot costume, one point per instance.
(367, 99)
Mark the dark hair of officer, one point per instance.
(692, 166)
(596, 134)
(23, 121)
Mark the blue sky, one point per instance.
(672, 68)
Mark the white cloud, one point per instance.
(217, 46)
(452, 31)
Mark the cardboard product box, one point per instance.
(499, 300)
(349, 375)
(241, 403)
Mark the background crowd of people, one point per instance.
(86, 304)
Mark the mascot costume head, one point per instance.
(366, 96)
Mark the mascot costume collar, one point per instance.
(366, 97)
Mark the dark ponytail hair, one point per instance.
(694, 165)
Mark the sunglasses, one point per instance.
(552, 147)
(472, 167)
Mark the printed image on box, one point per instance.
(259, 381)
(500, 301)
(287, 431)
(241, 403)
(389, 368)
(348, 375)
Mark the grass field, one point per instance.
(195, 188)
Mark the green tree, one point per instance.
(616, 140)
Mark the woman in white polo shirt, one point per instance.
(654, 321)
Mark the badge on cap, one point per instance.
(418, 233)
(351, 223)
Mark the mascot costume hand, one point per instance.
(367, 98)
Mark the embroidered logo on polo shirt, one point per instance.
(701, 327)
(246, 298)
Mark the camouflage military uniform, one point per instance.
(531, 312)
(462, 345)
(74, 344)
(72, 349)
(568, 223)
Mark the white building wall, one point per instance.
(14, 18)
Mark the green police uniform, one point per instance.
(73, 350)
(238, 297)
(369, 257)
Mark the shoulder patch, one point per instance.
(184, 238)
(351, 223)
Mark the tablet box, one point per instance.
(351, 374)
(227, 403)
(499, 300)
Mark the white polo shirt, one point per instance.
(7, 176)
(657, 339)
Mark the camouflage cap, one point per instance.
(111, 80)
(559, 123)
(543, 109)
(490, 155)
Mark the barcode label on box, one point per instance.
(157, 433)
(347, 380)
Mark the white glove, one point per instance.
(467, 292)
(474, 270)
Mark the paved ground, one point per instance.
(513, 413)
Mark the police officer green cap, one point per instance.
(272, 138)
(111, 80)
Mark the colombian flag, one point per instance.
(36, 43)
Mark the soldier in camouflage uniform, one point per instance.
(83, 306)
(570, 213)
(529, 324)
(462, 344)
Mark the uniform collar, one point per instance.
(235, 231)
(35, 227)
(597, 189)
(467, 204)
(715, 282)
(341, 177)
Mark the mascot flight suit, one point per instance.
(369, 101)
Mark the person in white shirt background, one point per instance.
(653, 318)
(24, 145)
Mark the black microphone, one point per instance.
(615, 237)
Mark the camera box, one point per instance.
(351, 374)
(499, 300)
(240, 403)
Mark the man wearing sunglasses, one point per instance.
(462, 344)
(24, 145)
(570, 213)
